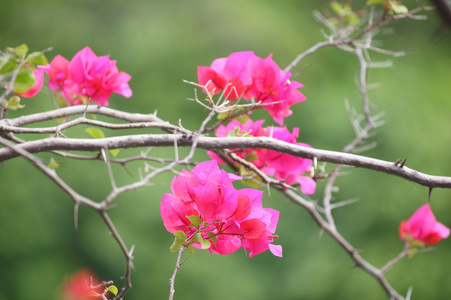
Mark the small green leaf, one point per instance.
(336, 7)
(254, 182)
(53, 164)
(37, 58)
(190, 249)
(398, 8)
(222, 116)
(195, 220)
(251, 156)
(180, 234)
(14, 103)
(114, 152)
(95, 132)
(8, 66)
(242, 119)
(373, 2)
(198, 238)
(18, 51)
(212, 237)
(113, 289)
(24, 80)
(206, 244)
(179, 239)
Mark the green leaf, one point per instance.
(212, 237)
(195, 220)
(190, 249)
(398, 8)
(24, 80)
(198, 238)
(222, 116)
(179, 239)
(95, 132)
(180, 234)
(113, 289)
(206, 244)
(53, 164)
(242, 119)
(251, 156)
(18, 51)
(114, 152)
(8, 66)
(255, 182)
(336, 7)
(14, 103)
(373, 2)
(37, 58)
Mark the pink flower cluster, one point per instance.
(228, 218)
(245, 75)
(85, 77)
(422, 228)
(283, 166)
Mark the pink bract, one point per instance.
(234, 217)
(87, 76)
(423, 227)
(245, 75)
(280, 165)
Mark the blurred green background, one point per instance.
(160, 43)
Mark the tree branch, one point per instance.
(215, 143)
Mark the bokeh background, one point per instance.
(160, 43)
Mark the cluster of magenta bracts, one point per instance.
(227, 217)
(280, 165)
(244, 75)
(85, 78)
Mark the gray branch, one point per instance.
(220, 143)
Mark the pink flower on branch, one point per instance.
(205, 206)
(280, 165)
(87, 76)
(422, 228)
(244, 75)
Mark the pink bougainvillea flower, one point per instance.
(423, 228)
(245, 75)
(98, 77)
(280, 165)
(83, 285)
(87, 76)
(272, 87)
(227, 217)
(58, 72)
(229, 74)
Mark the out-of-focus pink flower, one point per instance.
(234, 218)
(83, 285)
(280, 165)
(243, 74)
(87, 76)
(58, 72)
(422, 227)
(36, 88)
